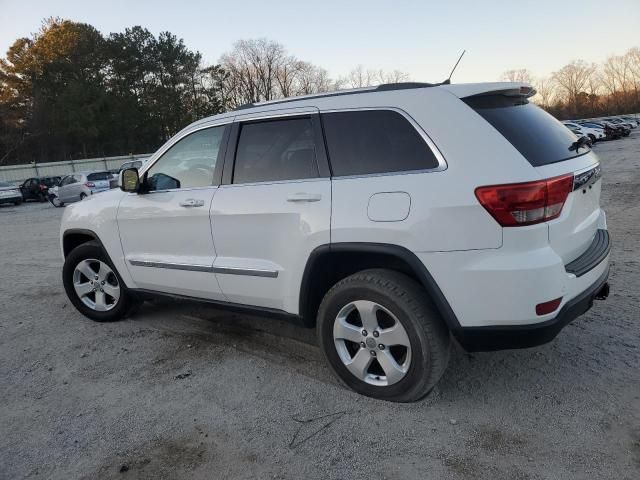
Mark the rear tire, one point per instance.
(593, 138)
(395, 299)
(101, 306)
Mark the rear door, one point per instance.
(550, 147)
(273, 208)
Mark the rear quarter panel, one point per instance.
(445, 214)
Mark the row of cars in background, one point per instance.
(61, 190)
(597, 129)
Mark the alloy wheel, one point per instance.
(372, 343)
(96, 285)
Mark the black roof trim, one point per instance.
(386, 87)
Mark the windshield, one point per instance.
(538, 136)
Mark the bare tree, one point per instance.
(261, 70)
(545, 91)
(573, 79)
(312, 79)
(633, 56)
(522, 75)
(252, 68)
(359, 77)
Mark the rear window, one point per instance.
(5, 184)
(374, 141)
(99, 176)
(276, 150)
(538, 136)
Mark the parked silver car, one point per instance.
(77, 186)
(9, 193)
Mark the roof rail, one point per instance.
(385, 87)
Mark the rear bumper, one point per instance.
(483, 339)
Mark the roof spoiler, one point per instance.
(507, 89)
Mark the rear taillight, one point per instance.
(520, 204)
(90, 184)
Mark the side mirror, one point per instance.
(129, 180)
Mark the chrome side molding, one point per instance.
(206, 268)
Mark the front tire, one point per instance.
(382, 336)
(94, 286)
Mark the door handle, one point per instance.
(304, 197)
(192, 202)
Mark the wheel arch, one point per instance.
(77, 236)
(328, 264)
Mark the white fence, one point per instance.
(18, 173)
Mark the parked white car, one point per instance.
(364, 214)
(593, 133)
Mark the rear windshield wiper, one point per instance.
(581, 142)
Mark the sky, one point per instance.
(422, 38)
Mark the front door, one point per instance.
(272, 210)
(166, 232)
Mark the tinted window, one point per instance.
(538, 136)
(188, 163)
(99, 176)
(374, 142)
(50, 181)
(275, 150)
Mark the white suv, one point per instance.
(391, 219)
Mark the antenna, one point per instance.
(448, 80)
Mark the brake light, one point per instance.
(520, 204)
(90, 184)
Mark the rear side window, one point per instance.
(374, 141)
(538, 136)
(92, 177)
(275, 150)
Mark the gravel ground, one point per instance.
(183, 390)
